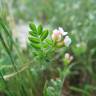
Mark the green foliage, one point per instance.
(34, 71)
(53, 88)
(37, 36)
(40, 29)
(44, 35)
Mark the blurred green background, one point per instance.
(78, 17)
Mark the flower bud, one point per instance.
(56, 36)
(67, 41)
(68, 58)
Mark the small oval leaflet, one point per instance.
(40, 29)
(32, 33)
(44, 35)
(33, 27)
(37, 46)
(34, 39)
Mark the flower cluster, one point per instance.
(68, 58)
(58, 34)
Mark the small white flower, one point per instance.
(67, 41)
(56, 36)
(58, 33)
(62, 31)
(71, 58)
(68, 57)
